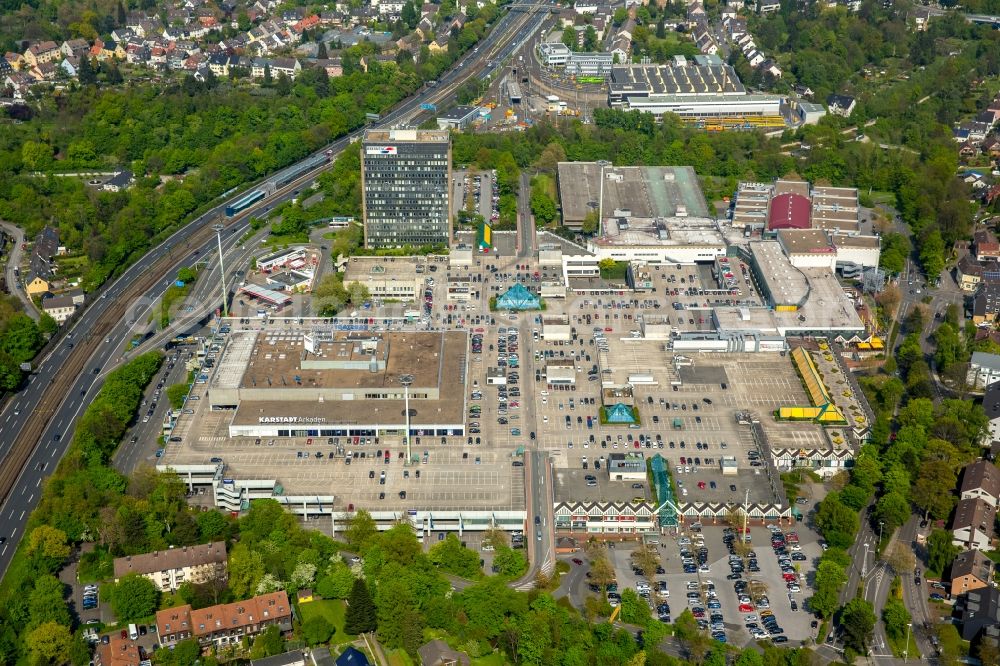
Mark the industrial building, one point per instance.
(767, 208)
(405, 179)
(307, 383)
(457, 118)
(706, 92)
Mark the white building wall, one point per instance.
(827, 260)
(859, 255)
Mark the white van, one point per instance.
(133, 632)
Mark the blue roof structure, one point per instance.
(620, 413)
(352, 657)
(518, 298)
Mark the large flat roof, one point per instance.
(787, 284)
(407, 135)
(579, 188)
(345, 360)
(664, 232)
(689, 79)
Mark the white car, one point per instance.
(795, 547)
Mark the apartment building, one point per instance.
(168, 569)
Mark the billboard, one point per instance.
(380, 150)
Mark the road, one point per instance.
(12, 273)
(525, 220)
(510, 32)
(914, 597)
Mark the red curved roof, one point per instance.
(789, 211)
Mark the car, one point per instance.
(936, 597)
(577, 561)
(216, 460)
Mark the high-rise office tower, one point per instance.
(406, 178)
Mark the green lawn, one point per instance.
(333, 610)
(495, 659)
(399, 658)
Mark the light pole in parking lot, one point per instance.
(906, 650)
(217, 228)
(406, 380)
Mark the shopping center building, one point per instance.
(309, 382)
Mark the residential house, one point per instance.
(921, 17)
(333, 66)
(77, 295)
(769, 66)
(755, 58)
(117, 651)
(108, 50)
(59, 308)
(70, 66)
(438, 653)
(74, 47)
(768, 6)
(137, 54)
(980, 616)
(970, 570)
(984, 370)
(44, 71)
(5, 68)
(293, 658)
(972, 524)
(307, 23)
(696, 12)
(15, 60)
(991, 147)
(220, 63)
(981, 480)
(986, 246)
(970, 273)
(168, 569)
(991, 406)
(440, 44)
(119, 182)
(290, 67)
(36, 286)
(841, 105)
(45, 247)
(703, 40)
(46, 51)
(986, 305)
(225, 624)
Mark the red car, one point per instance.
(636, 443)
(746, 608)
(789, 578)
(310, 440)
(608, 329)
(701, 485)
(577, 560)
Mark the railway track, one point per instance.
(31, 434)
(29, 437)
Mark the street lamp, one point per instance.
(906, 650)
(217, 228)
(864, 562)
(881, 524)
(406, 380)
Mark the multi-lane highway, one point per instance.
(96, 341)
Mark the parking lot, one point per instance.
(795, 625)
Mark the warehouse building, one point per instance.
(706, 92)
(307, 383)
(405, 180)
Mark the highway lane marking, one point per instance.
(22, 516)
(4, 551)
(55, 450)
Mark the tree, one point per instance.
(601, 572)
(542, 207)
(134, 597)
(940, 550)
(358, 293)
(361, 531)
(451, 556)
(830, 577)
(858, 620)
(329, 296)
(509, 562)
(49, 643)
(269, 78)
(551, 156)
(317, 630)
(321, 53)
(569, 37)
(47, 546)
(901, 558)
(46, 602)
(590, 38)
(337, 582)
(361, 613)
(693, 641)
(122, 17)
(591, 223)
(211, 525)
(246, 568)
(86, 73)
(749, 657)
(932, 490)
(837, 522)
(635, 610)
(47, 325)
(647, 559)
(268, 643)
(894, 509)
(896, 617)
